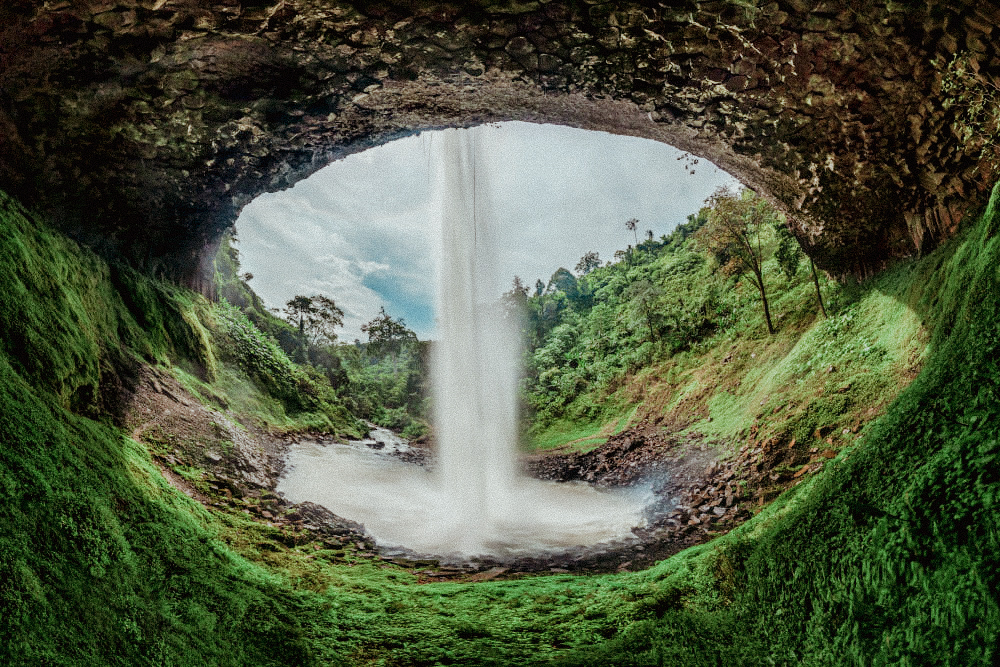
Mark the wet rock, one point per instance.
(319, 519)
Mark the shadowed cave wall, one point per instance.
(143, 126)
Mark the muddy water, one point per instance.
(404, 505)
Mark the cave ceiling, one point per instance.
(142, 127)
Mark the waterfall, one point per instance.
(475, 503)
(477, 358)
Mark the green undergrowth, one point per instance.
(815, 382)
(101, 562)
(891, 555)
(888, 556)
(652, 328)
(579, 437)
(283, 393)
(820, 385)
(570, 434)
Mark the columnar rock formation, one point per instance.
(144, 125)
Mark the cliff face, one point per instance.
(144, 126)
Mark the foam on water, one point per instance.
(404, 505)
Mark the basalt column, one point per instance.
(143, 126)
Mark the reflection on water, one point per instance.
(402, 505)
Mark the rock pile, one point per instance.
(625, 459)
(712, 504)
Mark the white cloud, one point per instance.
(361, 231)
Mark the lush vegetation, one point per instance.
(628, 332)
(887, 556)
(101, 561)
(390, 386)
(300, 358)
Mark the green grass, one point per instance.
(741, 384)
(873, 345)
(570, 435)
(889, 556)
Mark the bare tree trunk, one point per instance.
(763, 298)
(767, 312)
(819, 296)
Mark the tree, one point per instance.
(642, 296)
(519, 289)
(387, 335)
(317, 318)
(631, 225)
(590, 261)
(734, 234)
(515, 302)
(788, 252)
(819, 295)
(565, 282)
(539, 287)
(327, 318)
(686, 229)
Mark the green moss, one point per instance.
(101, 562)
(889, 556)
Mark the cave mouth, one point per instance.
(536, 197)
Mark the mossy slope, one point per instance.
(889, 556)
(892, 555)
(101, 562)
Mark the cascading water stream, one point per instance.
(476, 365)
(475, 503)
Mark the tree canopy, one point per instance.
(317, 318)
(590, 261)
(386, 335)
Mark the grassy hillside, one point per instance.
(667, 336)
(888, 555)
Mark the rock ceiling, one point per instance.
(143, 126)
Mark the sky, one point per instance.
(364, 230)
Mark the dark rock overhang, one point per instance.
(143, 126)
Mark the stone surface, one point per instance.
(143, 126)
